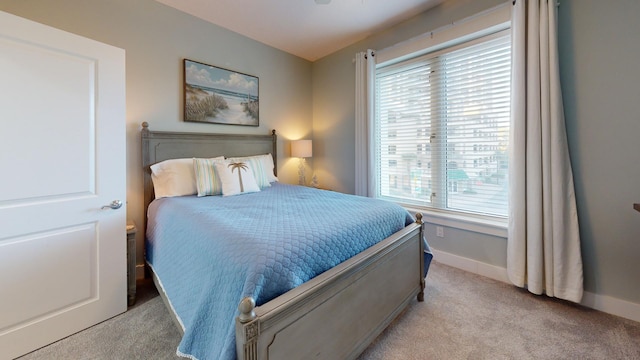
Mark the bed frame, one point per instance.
(335, 315)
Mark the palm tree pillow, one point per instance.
(236, 178)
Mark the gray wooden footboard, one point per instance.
(339, 313)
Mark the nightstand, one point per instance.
(131, 263)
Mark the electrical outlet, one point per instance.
(439, 231)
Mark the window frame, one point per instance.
(475, 29)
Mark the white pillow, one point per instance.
(236, 178)
(207, 180)
(174, 177)
(262, 166)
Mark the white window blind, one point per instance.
(442, 128)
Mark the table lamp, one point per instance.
(301, 149)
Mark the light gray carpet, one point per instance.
(145, 331)
(464, 316)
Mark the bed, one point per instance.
(331, 307)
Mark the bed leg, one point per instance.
(422, 282)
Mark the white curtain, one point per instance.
(543, 251)
(365, 75)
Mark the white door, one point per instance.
(62, 157)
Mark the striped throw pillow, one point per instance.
(207, 180)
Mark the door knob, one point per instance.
(115, 204)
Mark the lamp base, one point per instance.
(302, 180)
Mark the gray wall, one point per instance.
(599, 54)
(156, 39)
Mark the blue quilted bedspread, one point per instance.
(210, 252)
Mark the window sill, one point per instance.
(470, 223)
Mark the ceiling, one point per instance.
(302, 27)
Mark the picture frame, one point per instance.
(216, 95)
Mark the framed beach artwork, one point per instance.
(219, 96)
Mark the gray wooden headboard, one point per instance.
(163, 145)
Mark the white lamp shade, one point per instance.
(301, 148)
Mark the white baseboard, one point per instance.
(139, 272)
(472, 266)
(611, 305)
(604, 303)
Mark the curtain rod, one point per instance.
(373, 54)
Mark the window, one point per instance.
(449, 109)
